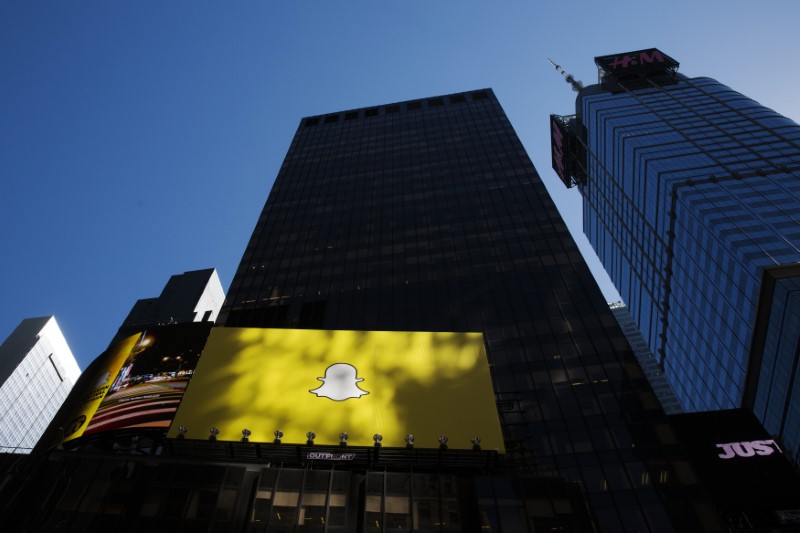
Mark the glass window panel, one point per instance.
(201, 504)
(261, 507)
(225, 504)
(286, 499)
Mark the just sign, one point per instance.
(748, 448)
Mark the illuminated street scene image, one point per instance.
(150, 384)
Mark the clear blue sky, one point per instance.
(140, 139)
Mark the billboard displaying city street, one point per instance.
(427, 384)
(106, 368)
(142, 380)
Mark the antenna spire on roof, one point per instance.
(576, 85)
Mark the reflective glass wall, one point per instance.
(692, 191)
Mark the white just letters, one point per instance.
(747, 449)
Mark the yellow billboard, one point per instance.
(328, 382)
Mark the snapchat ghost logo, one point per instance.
(340, 383)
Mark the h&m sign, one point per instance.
(631, 64)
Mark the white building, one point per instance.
(37, 372)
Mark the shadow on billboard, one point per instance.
(326, 382)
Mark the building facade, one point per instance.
(428, 215)
(37, 372)
(691, 199)
(194, 296)
(650, 366)
(190, 297)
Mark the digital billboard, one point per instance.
(111, 361)
(327, 382)
(742, 466)
(143, 383)
(557, 142)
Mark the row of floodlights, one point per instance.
(343, 436)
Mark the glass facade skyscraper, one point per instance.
(428, 215)
(691, 199)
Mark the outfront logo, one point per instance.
(748, 448)
(325, 456)
(340, 383)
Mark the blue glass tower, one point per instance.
(691, 199)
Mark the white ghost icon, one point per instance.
(340, 383)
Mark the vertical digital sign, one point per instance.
(557, 148)
(565, 149)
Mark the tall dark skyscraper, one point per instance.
(428, 215)
(691, 199)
